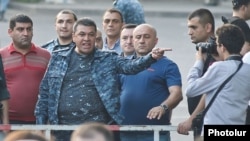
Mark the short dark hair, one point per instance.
(238, 3)
(231, 37)
(129, 26)
(67, 11)
(19, 18)
(86, 21)
(84, 131)
(205, 16)
(114, 10)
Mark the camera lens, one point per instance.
(204, 47)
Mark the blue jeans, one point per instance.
(4, 5)
(143, 136)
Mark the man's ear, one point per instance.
(243, 7)
(209, 27)
(10, 31)
(223, 48)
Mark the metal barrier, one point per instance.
(48, 128)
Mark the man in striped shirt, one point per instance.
(24, 66)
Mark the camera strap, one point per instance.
(235, 57)
(238, 58)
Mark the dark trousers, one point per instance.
(117, 135)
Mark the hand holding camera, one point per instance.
(205, 50)
(208, 47)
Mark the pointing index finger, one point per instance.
(166, 49)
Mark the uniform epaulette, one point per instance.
(63, 49)
(110, 51)
(46, 44)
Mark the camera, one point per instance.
(208, 47)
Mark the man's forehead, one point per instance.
(194, 23)
(127, 30)
(63, 16)
(141, 33)
(84, 28)
(98, 33)
(24, 25)
(194, 20)
(113, 15)
(142, 30)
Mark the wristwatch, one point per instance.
(165, 107)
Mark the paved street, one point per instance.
(172, 32)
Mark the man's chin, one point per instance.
(87, 51)
(65, 37)
(193, 40)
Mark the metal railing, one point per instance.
(48, 128)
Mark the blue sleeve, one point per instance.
(173, 75)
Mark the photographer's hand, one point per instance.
(200, 56)
(185, 126)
